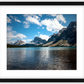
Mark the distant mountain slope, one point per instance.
(38, 40)
(61, 43)
(19, 42)
(48, 43)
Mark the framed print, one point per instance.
(41, 42)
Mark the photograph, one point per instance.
(41, 41)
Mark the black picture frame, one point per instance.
(43, 4)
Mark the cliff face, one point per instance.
(52, 38)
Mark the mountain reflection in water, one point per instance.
(48, 58)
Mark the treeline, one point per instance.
(14, 46)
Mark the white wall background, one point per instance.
(79, 73)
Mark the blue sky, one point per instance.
(27, 26)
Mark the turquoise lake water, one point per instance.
(41, 58)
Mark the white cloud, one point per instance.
(10, 33)
(9, 28)
(25, 15)
(40, 15)
(60, 18)
(11, 16)
(38, 28)
(13, 34)
(53, 15)
(38, 32)
(27, 40)
(52, 25)
(35, 35)
(19, 35)
(17, 20)
(34, 20)
(46, 37)
(42, 27)
(8, 20)
(31, 18)
(10, 42)
(26, 24)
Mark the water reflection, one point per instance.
(41, 59)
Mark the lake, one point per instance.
(41, 58)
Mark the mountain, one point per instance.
(65, 36)
(19, 42)
(52, 38)
(60, 31)
(60, 43)
(72, 24)
(47, 44)
(38, 40)
(68, 34)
